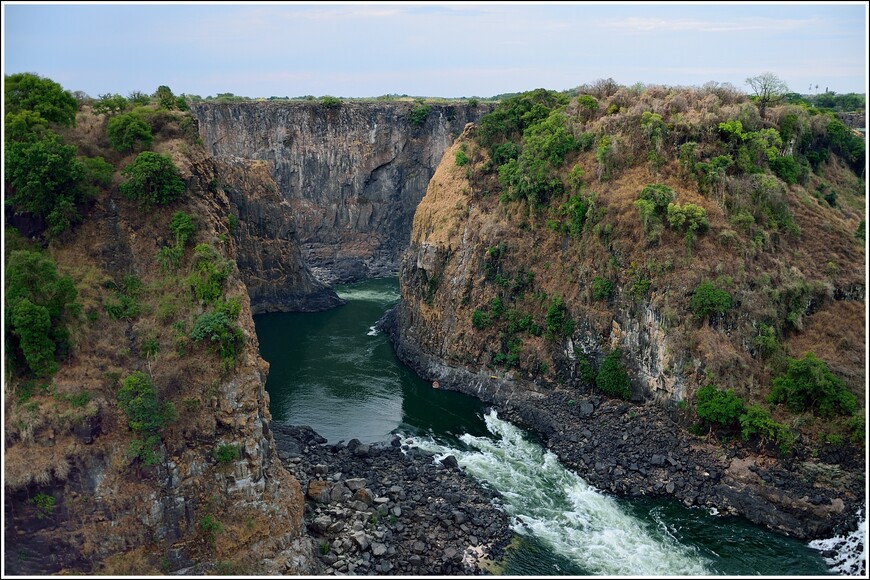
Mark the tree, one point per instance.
(707, 300)
(152, 179)
(768, 89)
(612, 377)
(125, 131)
(165, 98)
(810, 385)
(45, 179)
(36, 301)
(110, 104)
(30, 92)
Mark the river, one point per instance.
(334, 372)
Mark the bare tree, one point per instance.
(769, 88)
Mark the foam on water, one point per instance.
(847, 555)
(367, 294)
(560, 509)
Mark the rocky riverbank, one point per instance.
(383, 509)
(636, 449)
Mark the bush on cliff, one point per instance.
(810, 385)
(721, 407)
(38, 301)
(612, 377)
(152, 179)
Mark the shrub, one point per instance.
(32, 324)
(127, 131)
(691, 217)
(210, 527)
(330, 102)
(707, 300)
(722, 407)
(765, 343)
(37, 302)
(223, 336)
(153, 179)
(756, 422)
(138, 399)
(461, 158)
(419, 114)
(558, 319)
(44, 505)
(45, 179)
(786, 168)
(809, 385)
(587, 373)
(613, 378)
(183, 227)
(226, 453)
(601, 288)
(479, 319)
(209, 273)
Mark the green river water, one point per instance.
(331, 370)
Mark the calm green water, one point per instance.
(332, 371)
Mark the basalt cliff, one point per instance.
(351, 174)
(671, 248)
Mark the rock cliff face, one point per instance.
(352, 175)
(214, 493)
(268, 258)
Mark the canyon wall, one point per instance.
(351, 175)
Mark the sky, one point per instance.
(438, 49)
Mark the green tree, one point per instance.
(110, 105)
(37, 301)
(707, 299)
(45, 179)
(138, 399)
(127, 131)
(810, 385)
(30, 92)
(722, 407)
(25, 126)
(612, 377)
(165, 98)
(152, 179)
(768, 89)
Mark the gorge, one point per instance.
(295, 197)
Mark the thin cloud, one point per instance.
(640, 24)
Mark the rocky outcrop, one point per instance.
(352, 175)
(390, 509)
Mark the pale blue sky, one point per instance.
(433, 49)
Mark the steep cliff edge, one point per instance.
(88, 488)
(539, 278)
(352, 174)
